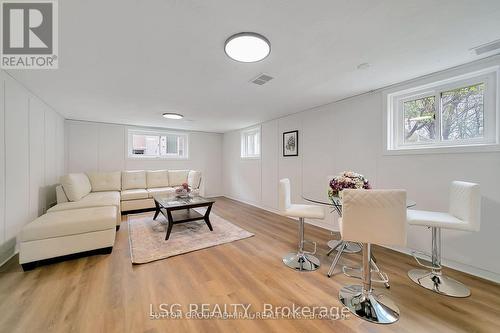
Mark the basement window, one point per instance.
(250, 143)
(454, 113)
(157, 145)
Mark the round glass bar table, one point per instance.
(348, 247)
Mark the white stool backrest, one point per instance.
(465, 203)
(374, 216)
(284, 201)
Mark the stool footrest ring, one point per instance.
(309, 242)
(420, 263)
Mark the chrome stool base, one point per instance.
(439, 283)
(351, 247)
(374, 308)
(301, 261)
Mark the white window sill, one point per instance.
(155, 158)
(250, 157)
(480, 148)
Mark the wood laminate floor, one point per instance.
(106, 293)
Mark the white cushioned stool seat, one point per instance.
(464, 214)
(307, 211)
(301, 260)
(435, 219)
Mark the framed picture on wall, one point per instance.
(291, 143)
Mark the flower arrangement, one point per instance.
(347, 179)
(182, 190)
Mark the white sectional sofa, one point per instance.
(89, 208)
(127, 190)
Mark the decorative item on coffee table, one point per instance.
(182, 191)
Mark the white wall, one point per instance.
(31, 157)
(95, 146)
(348, 135)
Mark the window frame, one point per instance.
(256, 131)
(395, 114)
(132, 132)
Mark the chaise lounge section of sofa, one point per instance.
(89, 208)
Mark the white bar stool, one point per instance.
(379, 217)
(301, 260)
(464, 214)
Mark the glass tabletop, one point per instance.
(338, 203)
(169, 201)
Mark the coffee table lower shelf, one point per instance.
(176, 215)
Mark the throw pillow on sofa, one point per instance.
(105, 181)
(76, 186)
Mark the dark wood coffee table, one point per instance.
(179, 210)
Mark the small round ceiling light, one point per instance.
(363, 66)
(170, 115)
(247, 47)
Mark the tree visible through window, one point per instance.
(463, 113)
(460, 111)
(420, 119)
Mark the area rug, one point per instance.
(147, 236)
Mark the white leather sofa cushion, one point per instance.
(60, 195)
(177, 177)
(161, 191)
(157, 178)
(76, 186)
(138, 193)
(435, 219)
(128, 205)
(133, 179)
(105, 181)
(64, 223)
(194, 179)
(94, 199)
(306, 211)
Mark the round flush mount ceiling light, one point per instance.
(170, 115)
(247, 47)
(364, 65)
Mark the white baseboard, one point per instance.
(475, 271)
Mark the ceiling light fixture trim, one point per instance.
(170, 115)
(247, 47)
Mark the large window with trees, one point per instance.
(459, 111)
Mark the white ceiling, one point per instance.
(125, 61)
